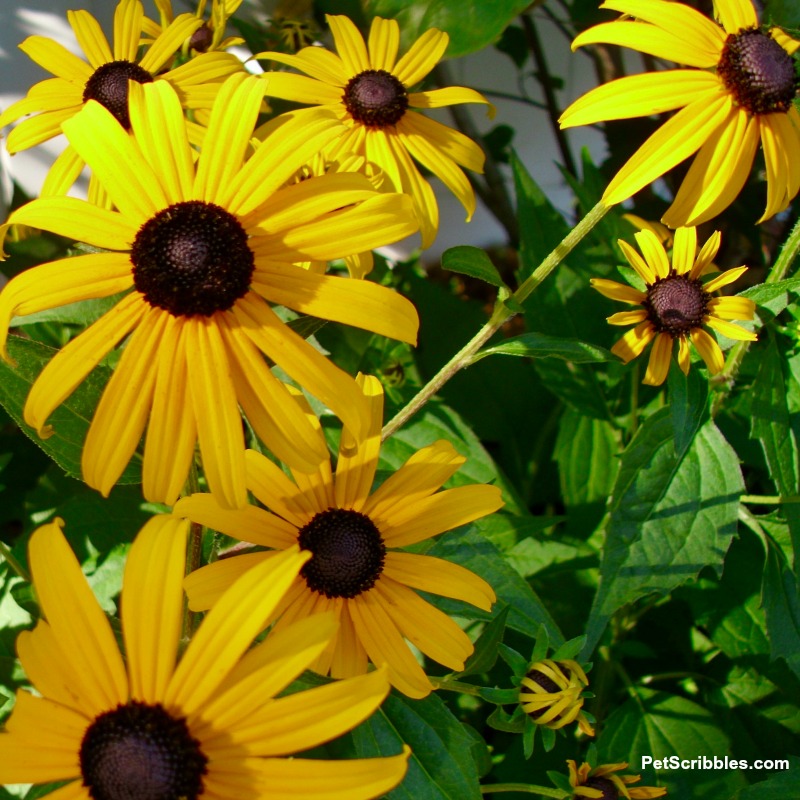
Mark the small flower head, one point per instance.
(551, 694)
(676, 305)
(602, 783)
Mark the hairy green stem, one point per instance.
(454, 686)
(10, 559)
(525, 788)
(768, 499)
(502, 313)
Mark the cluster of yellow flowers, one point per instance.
(202, 219)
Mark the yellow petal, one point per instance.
(152, 604)
(634, 341)
(121, 415)
(219, 424)
(90, 37)
(684, 356)
(618, 291)
(684, 250)
(676, 140)
(627, 317)
(78, 623)
(56, 59)
(724, 278)
(229, 628)
(127, 28)
(441, 512)
(317, 62)
(653, 252)
(730, 330)
(77, 359)
(448, 96)
(349, 44)
(301, 89)
(658, 364)
(440, 577)
(421, 57)
(384, 40)
(773, 142)
(709, 350)
(169, 42)
(643, 269)
(736, 15)
(707, 254)
(732, 308)
(38, 129)
(450, 142)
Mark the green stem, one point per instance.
(768, 499)
(526, 788)
(786, 257)
(501, 314)
(10, 559)
(454, 686)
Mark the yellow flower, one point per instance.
(735, 91)
(203, 725)
(601, 783)
(370, 90)
(104, 77)
(210, 35)
(356, 571)
(550, 693)
(676, 304)
(201, 250)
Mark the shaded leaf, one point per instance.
(474, 262)
(542, 345)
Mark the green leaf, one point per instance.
(485, 653)
(70, 421)
(472, 261)
(781, 599)
(471, 550)
(773, 296)
(671, 514)
(441, 767)
(471, 24)
(82, 313)
(770, 423)
(783, 784)
(662, 725)
(542, 345)
(688, 403)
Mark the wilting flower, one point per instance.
(736, 90)
(676, 304)
(104, 77)
(200, 248)
(370, 90)
(551, 694)
(601, 783)
(204, 725)
(356, 569)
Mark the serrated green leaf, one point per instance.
(472, 261)
(671, 515)
(542, 345)
(662, 725)
(783, 784)
(441, 767)
(773, 296)
(70, 421)
(770, 424)
(471, 24)
(485, 654)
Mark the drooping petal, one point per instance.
(249, 524)
(63, 173)
(441, 512)
(450, 142)
(385, 645)
(773, 142)
(349, 657)
(38, 129)
(684, 355)
(172, 429)
(676, 140)
(658, 364)
(229, 629)
(709, 350)
(438, 576)
(362, 304)
(124, 406)
(634, 341)
(206, 585)
(77, 359)
(152, 604)
(216, 409)
(79, 625)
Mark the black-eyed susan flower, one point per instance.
(200, 248)
(211, 33)
(205, 725)
(735, 91)
(551, 694)
(357, 570)
(676, 304)
(602, 783)
(104, 77)
(370, 90)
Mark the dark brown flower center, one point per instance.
(109, 86)
(676, 304)
(202, 38)
(604, 785)
(192, 258)
(376, 98)
(548, 684)
(348, 553)
(758, 72)
(140, 752)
